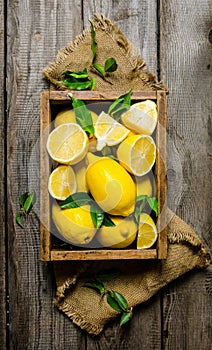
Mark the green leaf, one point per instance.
(93, 42)
(23, 198)
(29, 202)
(99, 68)
(125, 317)
(153, 203)
(113, 303)
(108, 221)
(76, 200)
(83, 115)
(97, 285)
(110, 65)
(77, 75)
(74, 84)
(141, 197)
(120, 299)
(93, 83)
(18, 219)
(120, 105)
(97, 215)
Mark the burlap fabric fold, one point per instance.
(138, 281)
(131, 72)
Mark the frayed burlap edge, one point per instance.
(175, 235)
(126, 47)
(77, 318)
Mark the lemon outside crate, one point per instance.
(50, 103)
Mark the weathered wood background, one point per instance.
(174, 38)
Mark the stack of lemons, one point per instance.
(113, 184)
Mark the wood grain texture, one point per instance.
(185, 67)
(2, 183)
(35, 34)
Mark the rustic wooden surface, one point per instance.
(173, 37)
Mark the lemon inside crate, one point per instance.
(61, 114)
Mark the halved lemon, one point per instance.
(62, 182)
(141, 117)
(147, 232)
(108, 131)
(67, 144)
(137, 153)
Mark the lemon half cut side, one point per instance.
(137, 153)
(67, 143)
(147, 232)
(62, 182)
(141, 117)
(108, 131)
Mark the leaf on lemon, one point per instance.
(97, 215)
(108, 221)
(120, 105)
(153, 203)
(76, 200)
(83, 115)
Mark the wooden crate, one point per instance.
(51, 101)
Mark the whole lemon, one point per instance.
(74, 224)
(119, 236)
(111, 186)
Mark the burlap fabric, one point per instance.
(138, 281)
(132, 70)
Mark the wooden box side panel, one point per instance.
(161, 188)
(45, 235)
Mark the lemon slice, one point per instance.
(108, 131)
(137, 153)
(141, 117)
(62, 182)
(67, 144)
(67, 115)
(147, 232)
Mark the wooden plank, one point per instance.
(161, 187)
(96, 95)
(2, 183)
(36, 31)
(45, 121)
(138, 21)
(185, 67)
(109, 254)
